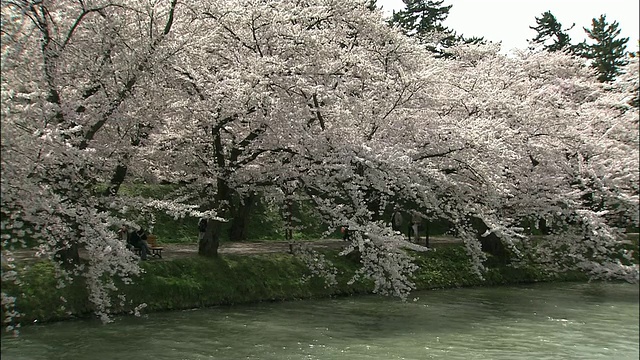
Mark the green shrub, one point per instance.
(40, 298)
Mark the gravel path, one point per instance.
(174, 251)
(183, 250)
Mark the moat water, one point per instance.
(539, 321)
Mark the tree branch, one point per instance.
(254, 134)
(440, 154)
(84, 13)
(122, 94)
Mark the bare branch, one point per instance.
(82, 15)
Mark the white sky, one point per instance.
(509, 20)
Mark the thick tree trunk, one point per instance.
(116, 180)
(238, 229)
(208, 245)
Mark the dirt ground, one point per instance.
(175, 251)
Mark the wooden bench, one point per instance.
(156, 251)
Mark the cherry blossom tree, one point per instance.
(270, 91)
(73, 78)
(357, 115)
(505, 139)
(542, 117)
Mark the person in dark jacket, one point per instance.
(396, 219)
(346, 235)
(138, 239)
(202, 228)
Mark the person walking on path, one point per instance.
(416, 219)
(396, 219)
(346, 236)
(202, 228)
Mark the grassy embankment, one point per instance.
(198, 282)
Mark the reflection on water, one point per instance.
(543, 321)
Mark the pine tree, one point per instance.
(608, 52)
(372, 5)
(472, 40)
(549, 28)
(423, 19)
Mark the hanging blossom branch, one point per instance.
(317, 263)
(474, 250)
(604, 258)
(9, 274)
(390, 267)
(179, 210)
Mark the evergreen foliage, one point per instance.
(549, 28)
(423, 19)
(608, 52)
(474, 40)
(635, 100)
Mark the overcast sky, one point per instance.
(509, 20)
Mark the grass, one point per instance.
(41, 299)
(234, 279)
(182, 284)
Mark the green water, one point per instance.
(543, 321)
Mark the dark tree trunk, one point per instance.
(374, 205)
(426, 232)
(208, 245)
(116, 180)
(544, 228)
(288, 234)
(69, 254)
(238, 229)
(69, 257)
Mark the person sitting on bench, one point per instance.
(138, 239)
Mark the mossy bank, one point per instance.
(200, 282)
